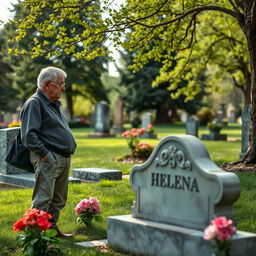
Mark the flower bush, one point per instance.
(133, 138)
(87, 210)
(14, 123)
(143, 150)
(215, 126)
(3, 125)
(38, 238)
(151, 128)
(220, 230)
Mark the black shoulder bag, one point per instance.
(18, 155)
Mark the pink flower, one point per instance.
(141, 131)
(88, 205)
(126, 134)
(222, 222)
(210, 232)
(221, 228)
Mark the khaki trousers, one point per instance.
(51, 186)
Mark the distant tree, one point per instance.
(83, 75)
(141, 96)
(221, 46)
(8, 94)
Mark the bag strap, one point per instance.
(41, 105)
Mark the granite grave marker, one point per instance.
(246, 122)
(10, 174)
(118, 124)
(146, 121)
(101, 121)
(192, 126)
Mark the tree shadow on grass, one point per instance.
(93, 232)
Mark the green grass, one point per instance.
(116, 197)
(103, 152)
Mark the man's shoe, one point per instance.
(63, 235)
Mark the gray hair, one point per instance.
(49, 74)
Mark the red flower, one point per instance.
(33, 217)
(45, 214)
(43, 222)
(29, 220)
(31, 212)
(19, 225)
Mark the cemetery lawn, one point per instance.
(103, 152)
(116, 197)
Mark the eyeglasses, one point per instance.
(60, 84)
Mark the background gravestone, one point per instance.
(178, 191)
(101, 121)
(192, 126)
(246, 122)
(146, 120)
(118, 124)
(6, 138)
(102, 117)
(232, 116)
(224, 110)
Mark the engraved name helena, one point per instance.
(178, 182)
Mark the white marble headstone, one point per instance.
(180, 185)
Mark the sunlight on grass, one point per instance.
(116, 197)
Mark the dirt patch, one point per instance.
(131, 160)
(238, 167)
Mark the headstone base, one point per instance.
(148, 135)
(118, 130)
(25, 180)
(214, 136)
(101, 135)
(143, 237)
(97, 174)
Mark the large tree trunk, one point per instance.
(249, 29)
(162, 115)
(247, 93)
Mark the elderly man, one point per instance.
(45, 132)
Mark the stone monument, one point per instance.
(118, 123)
(178, 191)
(101, 121)
(192, 126)
(7, 136)
(246, 122)
(10, 174)
(146, 121)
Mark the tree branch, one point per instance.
(194, 11)
(253, 12)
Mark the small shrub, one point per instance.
(3, 125)
(135, 122)
(143, 150)
(215, 126)
(132, 137)
(205, 115)
(150, 129)
(14, 123)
